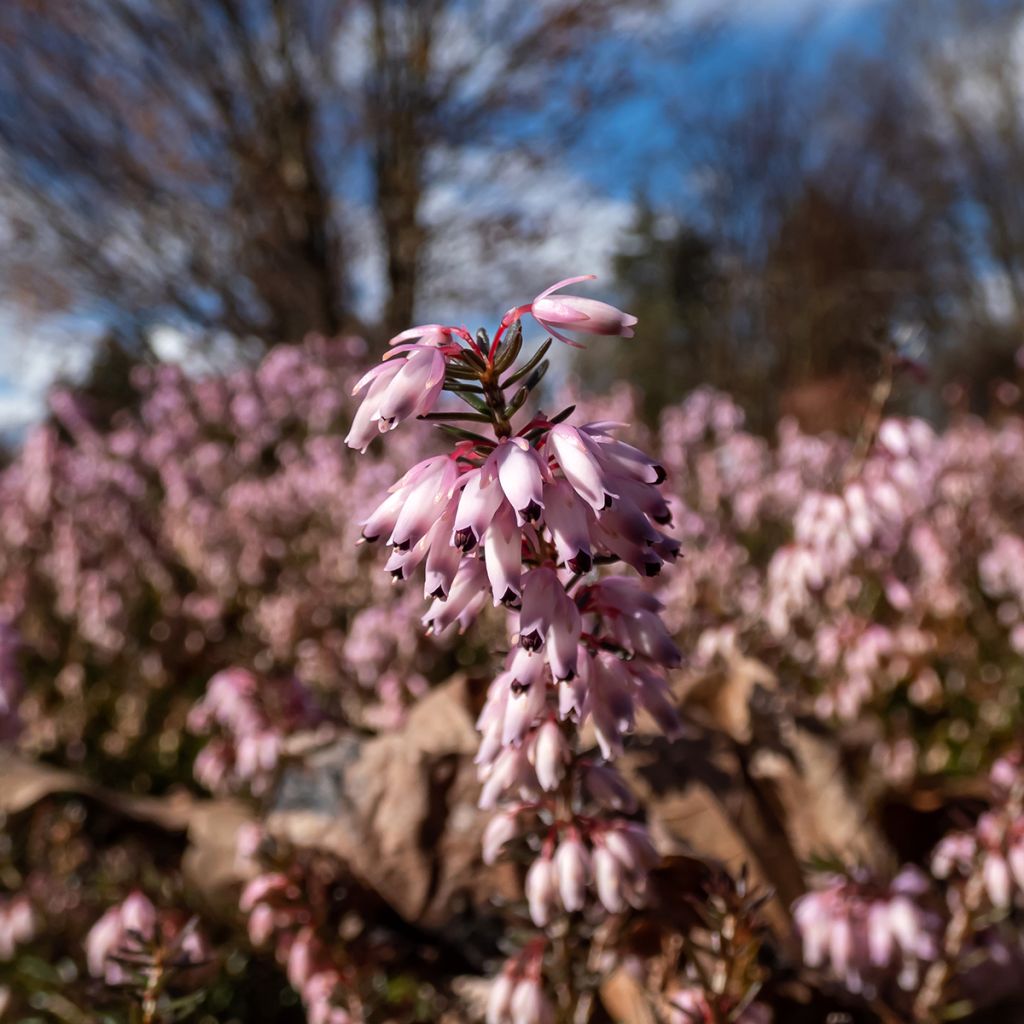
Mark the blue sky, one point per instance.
(633, 151)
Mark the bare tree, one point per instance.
(159, 161)
(197, 161)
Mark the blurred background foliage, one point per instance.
(778, 187)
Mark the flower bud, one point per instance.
(541, 890)
(573, 866)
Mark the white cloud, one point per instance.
(33, 355)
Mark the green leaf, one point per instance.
(527, 367)
(510, 348)
(464, 435)
(461, 417)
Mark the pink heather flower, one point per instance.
(550, 619)
(396, 389)
(499, 998)
(529, 1005)
(521, 473)
(585, 316)
(550, 754)
(572, 865)
(17, 925)
(609, 876)
(480, 499)
(466, 597)
(434, 335)
(503, 556)
(581, 465)
(542, 889)
(138, 914)
(501, 829)
(104, 937)
(569, 520)
(261, 924)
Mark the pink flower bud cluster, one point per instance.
(872, 565)
(18, 924)
(517, 994)
(200, 529)
(278, 915)
(863, 932)
(994, 848)
(613, 857)
(251, 719)
(523, 520)
(126, 929)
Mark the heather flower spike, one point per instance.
(518, 513)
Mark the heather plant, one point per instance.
(528, 516)
(193, 593)
(876, 577)
(211, 529)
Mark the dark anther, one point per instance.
(581, 563)
(532, 512)
(652, 568)
(530, 641)
(661, 474)
(465, 539)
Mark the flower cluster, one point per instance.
(121, 944)
(864, 932)
(517, 995)
(279, 913)
(994, 849)
(200, 529)
(252, 719)
(524, 518)
(877, 566)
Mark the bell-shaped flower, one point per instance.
(529, 1005)
(581, 465)
(550, 618)
(501, 829)
(521, 473)
(396, 389)
(550, 753)
(479, 501)
(623, 458)
(572, 865)
(466, 596)
(499, 998)
(574, 313)
(503, 556)
(443, 558)
(541, 889)
(567, 517)
(424, 502)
